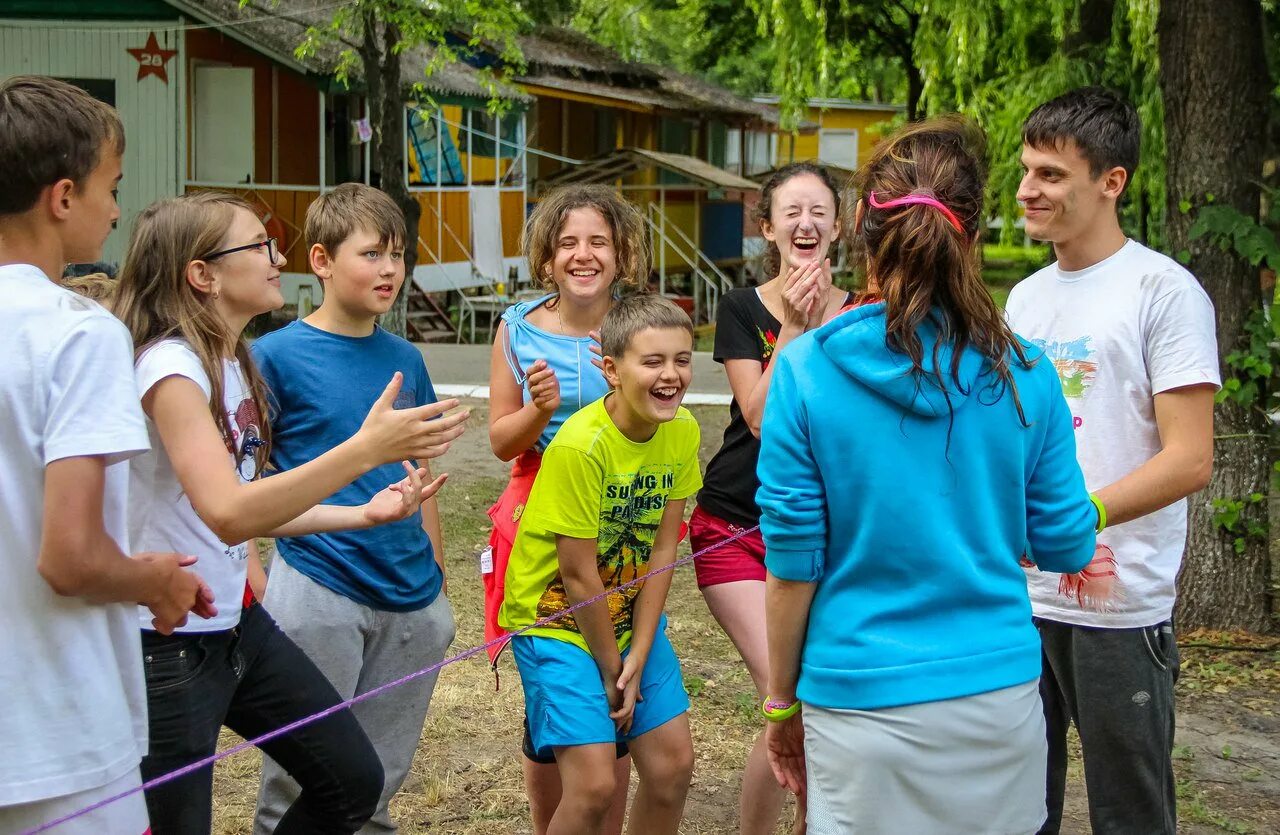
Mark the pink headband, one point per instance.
(922, 199)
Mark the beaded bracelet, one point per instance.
(777, 711)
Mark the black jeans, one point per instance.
(252, 679)
(1117, 686)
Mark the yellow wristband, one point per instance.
(1102, 512)
(776, 711)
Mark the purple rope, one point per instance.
(377, 691)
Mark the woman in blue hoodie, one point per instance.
(915, 455)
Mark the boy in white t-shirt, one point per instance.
(74, 727)
(1131, 334)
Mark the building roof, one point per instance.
(563, 59)
(840, 104)
(275, 28)
(625, 161)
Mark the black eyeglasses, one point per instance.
(273, 251)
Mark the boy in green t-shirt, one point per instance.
(606, 508)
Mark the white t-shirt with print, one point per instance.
(75, 709)
(160, 515)
(1120, 332)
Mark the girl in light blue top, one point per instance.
(915, 455)
(566, 360)
(581, 243)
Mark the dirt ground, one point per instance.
(466, 776)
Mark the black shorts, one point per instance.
(526, 745)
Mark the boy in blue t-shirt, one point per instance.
(366, 605)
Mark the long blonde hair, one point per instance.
(155, 300)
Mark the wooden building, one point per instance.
(214, 96)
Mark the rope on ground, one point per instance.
(344, 705)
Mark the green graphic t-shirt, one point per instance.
(595, 483)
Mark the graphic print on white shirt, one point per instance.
(1075, 361)
(246, 438)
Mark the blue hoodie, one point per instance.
(911, 516)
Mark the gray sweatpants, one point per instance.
(358, 649)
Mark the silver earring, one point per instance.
(216, 295)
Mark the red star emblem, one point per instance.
(151, 59)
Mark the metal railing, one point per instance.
(465, 309)
(712, 282)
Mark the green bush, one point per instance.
(1028, 259)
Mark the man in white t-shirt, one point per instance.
(74, 726)
(1131, 334)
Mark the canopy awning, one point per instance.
(626, 161)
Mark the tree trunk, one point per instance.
(915, 89)
(1214, 80)
(915, 78)
(1094, 27)
(387, 115)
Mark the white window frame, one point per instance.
(757, 141)
(841, 147)
(733, 150)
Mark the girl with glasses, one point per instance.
(197, 269)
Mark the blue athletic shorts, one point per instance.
(564, 698)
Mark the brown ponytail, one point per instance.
(919, 262)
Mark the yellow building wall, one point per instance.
(868, 124)
(682, 215)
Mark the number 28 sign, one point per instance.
(152, 59)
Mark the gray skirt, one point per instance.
(969, 766)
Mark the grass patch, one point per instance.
(466, 777)
(1193, 807)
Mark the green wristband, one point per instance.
(776, 711)
(1102, 512)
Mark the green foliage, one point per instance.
(802, 52)
(1250, 379)
(994, 60)
(645, 30)
(1233, 230)
(1253, 363)
(1243, 519)
(493, 24)
(1028, 259)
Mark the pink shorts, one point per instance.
(742, 559)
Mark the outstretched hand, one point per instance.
(402, 499)
(392, 434)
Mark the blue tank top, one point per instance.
(569, 356)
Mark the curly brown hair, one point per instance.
(626, 224)
(924, 268)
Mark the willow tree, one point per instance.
(390, 48)
(992, 59)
